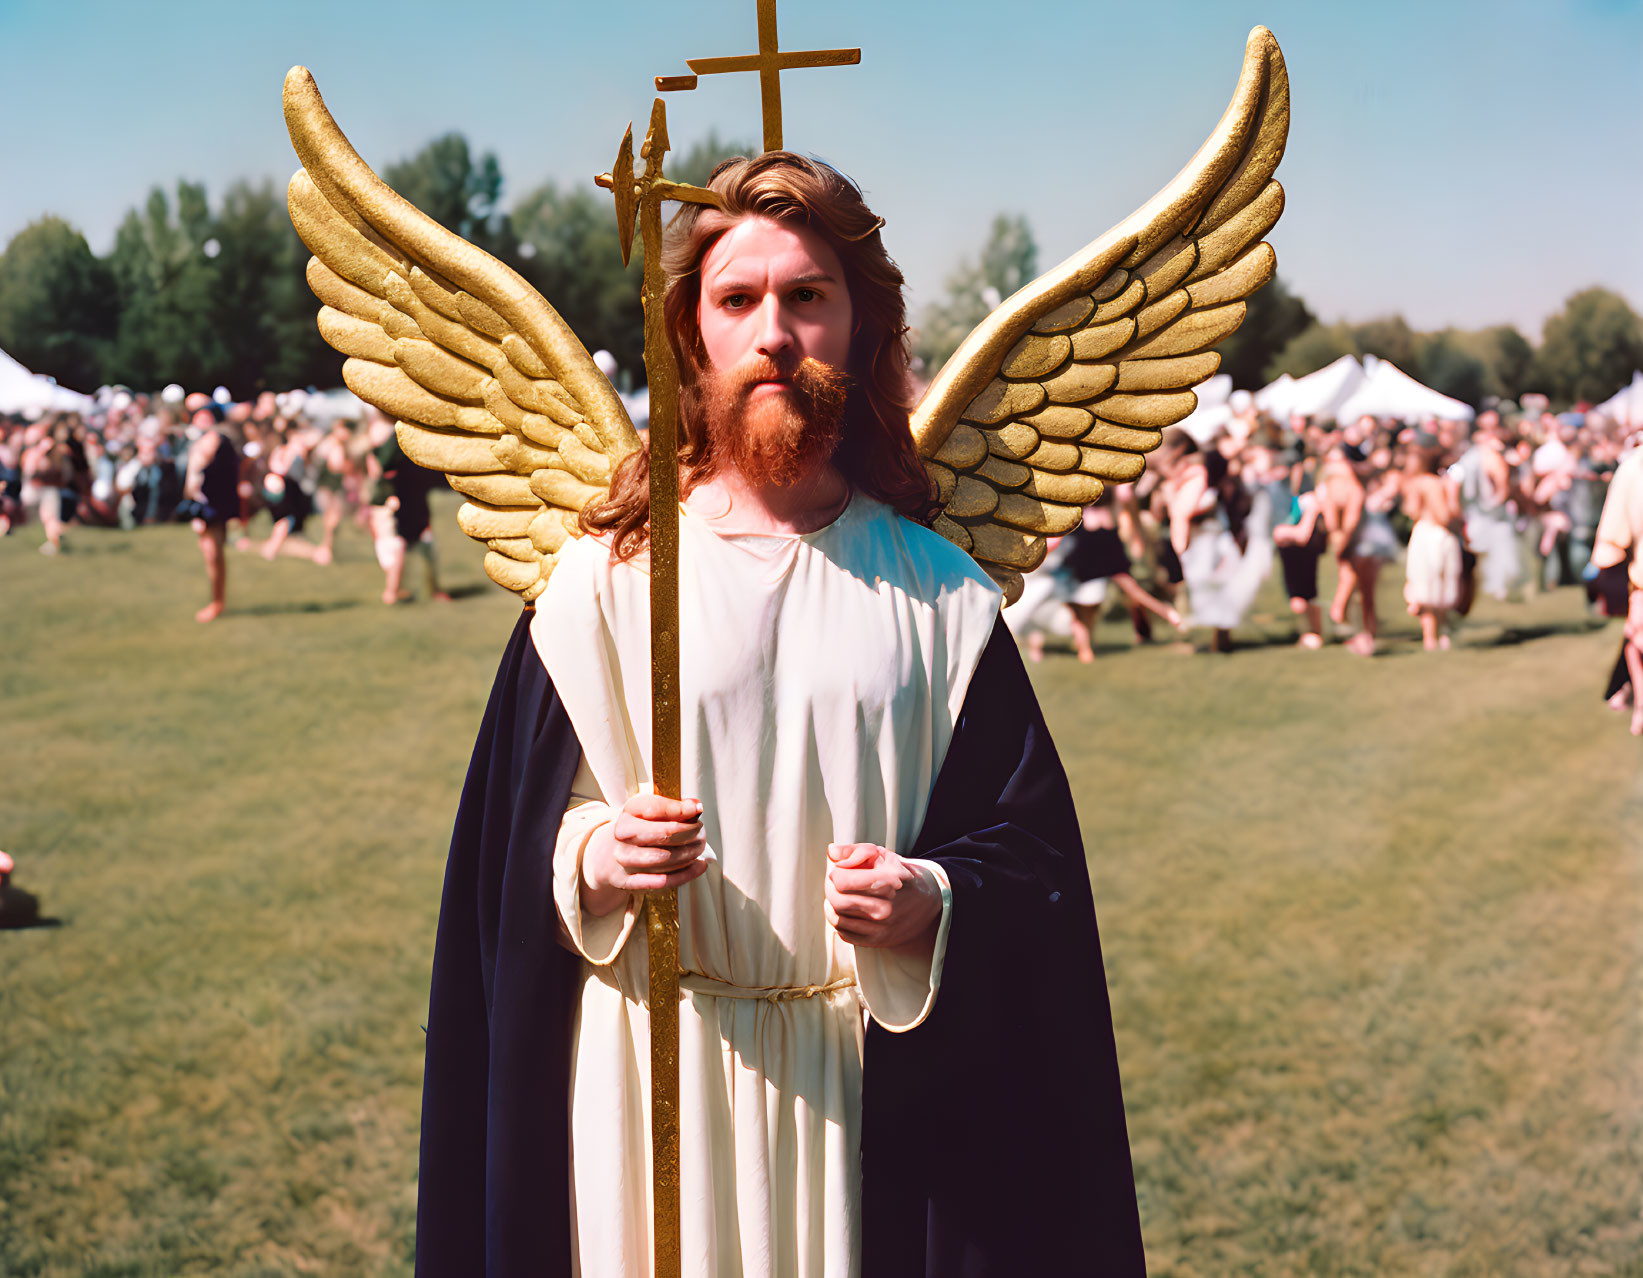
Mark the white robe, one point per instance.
(821, 676)
(1222, 580)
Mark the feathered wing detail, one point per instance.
(483, 379)
(1073, 379)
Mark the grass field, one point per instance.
(1372, 928)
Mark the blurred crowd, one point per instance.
(1509, 505)
(1520, 501)
(217, 464)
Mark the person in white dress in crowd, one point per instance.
(1432, 587)
(1485, 480)
(1222, 534)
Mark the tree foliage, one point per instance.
(57, 303)
(217, 296)
(214, 298)
(575, 259)
(166, 282)
(1311, 349)
(567, 247)
(1008, 260)
(696, 165)
(1591, 347)
(1507, 358)
(1275, 317)
(1444, 362)
(460, 192)
(1473, 365)
(263, 306)
(1389, 338)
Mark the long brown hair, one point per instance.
(876, 453)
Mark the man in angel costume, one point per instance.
(895, 1047)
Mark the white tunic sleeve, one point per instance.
(900, 989)
(599, 940)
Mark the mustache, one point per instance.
(822, 384)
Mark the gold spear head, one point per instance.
(619, 182)
(656, 140)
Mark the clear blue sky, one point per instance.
(1460, 161)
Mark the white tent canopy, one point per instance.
(1272, 399)
(1388, 391)
(1626, 404)
(1212, 412)
(31, 395)
(337, 402)
(1318, 395)
(323, 406)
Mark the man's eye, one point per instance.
(805, 295)
(734, 302)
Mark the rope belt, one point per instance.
(699, 983)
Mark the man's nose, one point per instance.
(775, 333)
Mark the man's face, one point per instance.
(775, 316)
(774, 291)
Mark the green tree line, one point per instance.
(1587, 351)
(216, 295)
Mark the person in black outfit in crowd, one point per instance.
(211, 499)
(1096, 557)
(400, 517)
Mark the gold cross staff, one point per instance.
(769, 62)
(639, 199)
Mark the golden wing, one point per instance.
(484, 381)
(1073, 379)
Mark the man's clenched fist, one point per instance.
(879, 900)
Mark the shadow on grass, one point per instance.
(80, 548)
(471, 590)
(1511, 636)
(1054, 651)
(41, 921)
(294, 606)
(20, 909)
(1243, 640)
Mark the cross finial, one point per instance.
(769, 62)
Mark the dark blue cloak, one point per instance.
(993, 1139)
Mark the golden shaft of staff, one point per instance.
(641, 199)
(662, 908)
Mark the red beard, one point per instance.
(778, 438)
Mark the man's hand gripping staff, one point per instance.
(654, 844)
(873, 897)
